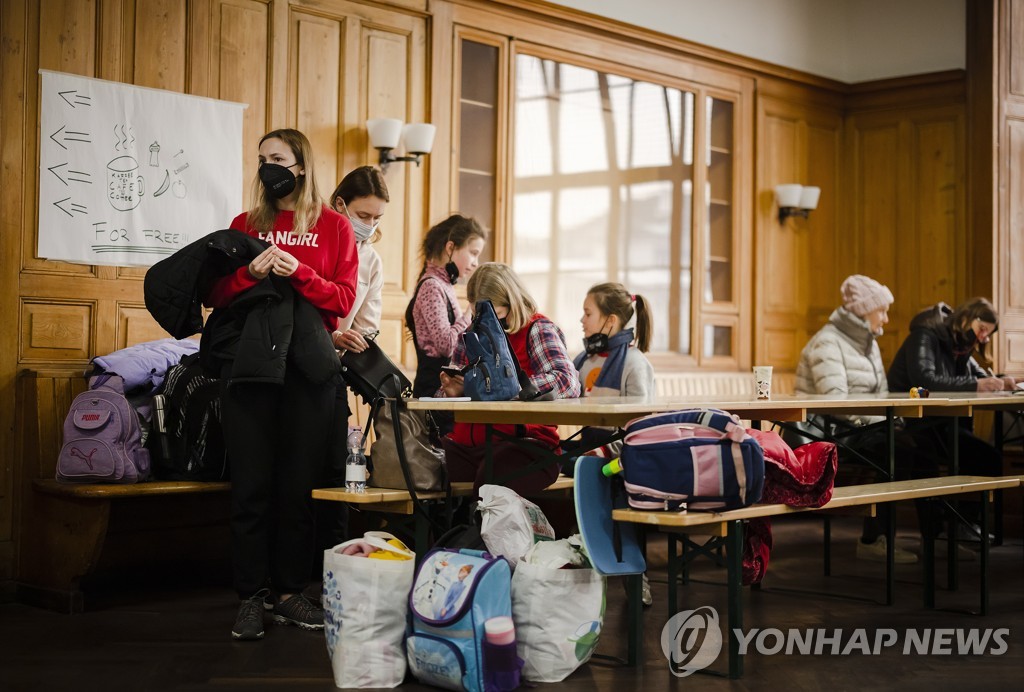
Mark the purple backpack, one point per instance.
(102, 437)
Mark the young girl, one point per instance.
(274, 420)
(539, 346)
(362, 197)
(451, 251)
(613, 361)
(613, 364)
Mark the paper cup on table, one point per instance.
(763, 381)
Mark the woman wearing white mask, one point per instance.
(362, 196)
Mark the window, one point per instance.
(614, 178)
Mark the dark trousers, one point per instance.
(976, 458)
(276, 440)
(468, 464)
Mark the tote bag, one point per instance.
(558, 614)
(365, 608)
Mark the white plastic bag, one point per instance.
(558, 615)
(510, 525)
(365, 603)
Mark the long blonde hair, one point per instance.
(308, 204)
(499, 284)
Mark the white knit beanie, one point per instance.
(863, 295)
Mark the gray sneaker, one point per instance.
(299, 611)
(249, 623)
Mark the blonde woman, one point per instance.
(274, 421)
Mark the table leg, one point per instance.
(636, 623)
(890, 555)
(952, 572)
(828, 546)
(928, 561)
(735, 569)
(984, 553)
(673, 564)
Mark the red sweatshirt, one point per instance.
(328, 264)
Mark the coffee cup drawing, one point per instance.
(125, 186)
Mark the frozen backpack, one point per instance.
(455, 592)
(102, 437)
(700, 459)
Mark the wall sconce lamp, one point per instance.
(796, 200)
(384, 135)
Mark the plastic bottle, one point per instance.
(355, 464)
(612, 468)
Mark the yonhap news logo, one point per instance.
(692, 640)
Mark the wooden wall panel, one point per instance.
(937, 177)
(796, 261)
(160, 44)
(1014, 22)
(1010, 302)
(241, 32)
(317, 93)
(1005, 88)
(874, 199)
(135, 325)
(907, 208)
(56, 332)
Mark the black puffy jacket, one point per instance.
(926, 358)
(267, 329)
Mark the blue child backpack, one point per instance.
(700, 459)
(455, 592)
(493, 373)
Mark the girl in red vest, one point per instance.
(540, 347)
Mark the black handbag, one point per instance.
(371, 374)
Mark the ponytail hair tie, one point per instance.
(632, 297)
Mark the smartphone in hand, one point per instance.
(452, 371)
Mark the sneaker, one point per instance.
(971, 534)
(299, 611)
(249, 623)
(875, 552)
(645, 590)
(646, 597)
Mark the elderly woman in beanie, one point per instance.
(844, 358)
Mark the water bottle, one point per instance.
(355, 464)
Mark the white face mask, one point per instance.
(362, 229)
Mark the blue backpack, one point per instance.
(454, 594)
(493, 373)
(702, 459)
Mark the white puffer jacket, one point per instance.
(843, 358)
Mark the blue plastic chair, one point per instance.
(593, 500)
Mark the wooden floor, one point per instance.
(177, 637)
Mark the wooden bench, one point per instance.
(398, 501)
(66, 532)
(726, 528)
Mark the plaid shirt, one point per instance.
(549, 360)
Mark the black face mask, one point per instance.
(595, 343)
(278, 180)
(452, 270)
(504, 323)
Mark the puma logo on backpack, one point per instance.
(102, 437)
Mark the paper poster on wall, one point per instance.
(128, 175)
